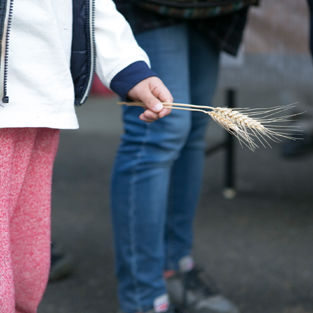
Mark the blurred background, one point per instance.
(258, 245)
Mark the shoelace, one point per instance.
(193, 281)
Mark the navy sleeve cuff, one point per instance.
(129, 77)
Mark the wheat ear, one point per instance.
(263, 126)
(246, 124)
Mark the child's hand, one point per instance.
(151, 91)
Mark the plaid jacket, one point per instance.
(224, 31)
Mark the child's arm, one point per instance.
(122, 65)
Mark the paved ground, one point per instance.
(258, 246)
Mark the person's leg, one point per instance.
(188, 168)
(30, 223)
(7, 147)
(27, 247)
(296, 148)
(141, 175)
(187, 286)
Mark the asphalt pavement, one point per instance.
(257, 246)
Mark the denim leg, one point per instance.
(188, 168)
(141, 174)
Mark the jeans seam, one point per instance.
(132, 219)
(169, 262)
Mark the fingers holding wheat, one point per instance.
(247, 125)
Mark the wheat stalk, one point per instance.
(247, 125)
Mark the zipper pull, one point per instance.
(5, 99)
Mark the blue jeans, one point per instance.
(158, 168)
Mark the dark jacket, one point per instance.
(225, 31)
(83, 49)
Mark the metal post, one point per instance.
(229, 191)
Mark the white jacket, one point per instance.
(40, 85)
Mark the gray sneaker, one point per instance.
(171, 309)
(188, 290)
(161, 305)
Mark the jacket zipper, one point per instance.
(6, 35)
(91, 12)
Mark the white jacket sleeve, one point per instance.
(116, 47)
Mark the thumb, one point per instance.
(146, 92)
(151, 102)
